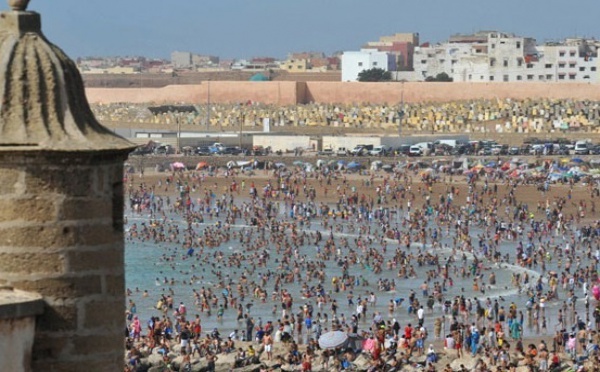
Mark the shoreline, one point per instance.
(216, 183)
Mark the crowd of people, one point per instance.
(346, 244)
(506, 116)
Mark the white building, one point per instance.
(353, 63)
(491, 56)
(181, 59)
(435, 59)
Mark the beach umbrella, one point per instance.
(596, 292)
(178, 165)
(201, 165)
(577, 160)
(333, 339)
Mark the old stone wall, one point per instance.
(61, 236)
(289, 93)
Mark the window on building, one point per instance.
(593, 68)
(290, 66)
(519, 62)
(571, 77)
(481, 77)
(572, 64)
(493, 46)
(470, 77)
(581, 68)
(492, 62)
(505, 78)
(572, 53)
(529, 77)
(561, 65)
(549, 77)
(491, 77)
(530, 65)
(442, 61)
(359, 64)
(548, 65)
(505, 63)
(518, 45)
(374, 63)
(423, 61)
(586, 76)
(519, 77)
(541, 77)
(561, 54)
(454, 61)
(561, 76)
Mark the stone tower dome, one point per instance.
(42, 99)
(61, 202)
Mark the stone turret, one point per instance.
(61, 202)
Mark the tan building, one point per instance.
(405, 37)
(295, 65)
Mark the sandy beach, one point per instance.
(411, 196)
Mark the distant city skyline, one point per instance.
(246, 29)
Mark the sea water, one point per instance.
(146, 271)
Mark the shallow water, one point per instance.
(144, 266)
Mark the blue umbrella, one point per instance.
(353, 165)
(577, 160)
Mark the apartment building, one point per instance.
(353, 63)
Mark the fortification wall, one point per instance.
(286, 93)
(275, 92)
(328, 92)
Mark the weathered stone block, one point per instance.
(64, 181)
(85, 209)
(49, 347)
(32, 263)
(10, 178)
(57, 319)
(98, 234)
(102, 364)
(64, 287)
(115, 285)
(43, 236)
(96, 344)
(101, 259)
(30, 209)
(104, 314)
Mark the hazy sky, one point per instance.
(252, 28)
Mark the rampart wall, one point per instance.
(288, 93)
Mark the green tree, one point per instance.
(374, 75)
(441, 77)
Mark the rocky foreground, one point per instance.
(226, 362)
